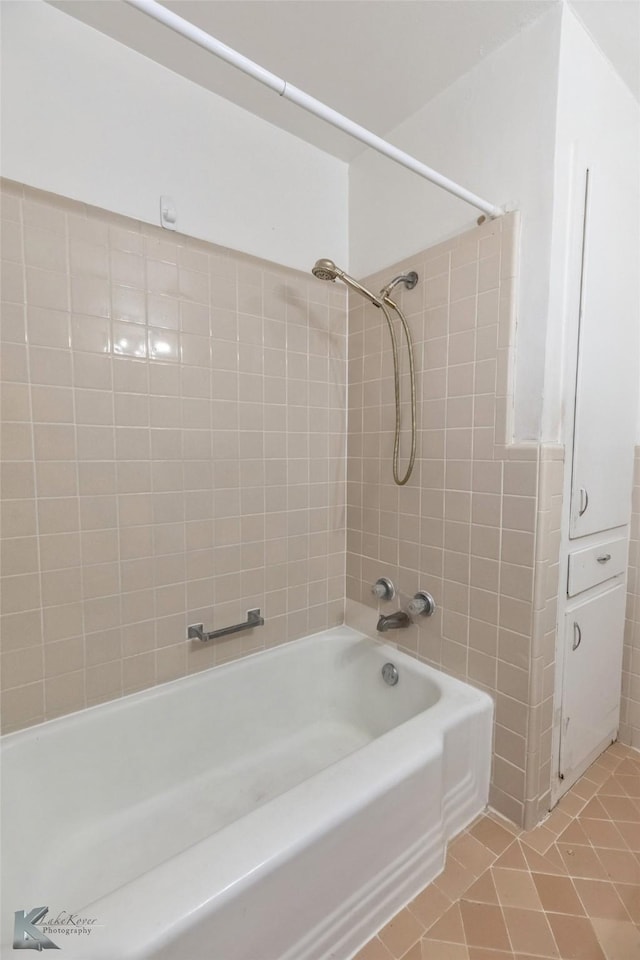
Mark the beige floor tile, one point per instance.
(603, 833)
(512, 828)
(527, 956)
(612, 787)
(629, 767)
(449, 927)
(619, 941)
(575, 937)
(539, 839)
(630, 785)
(494, 836)
(438, 950)
(594, 810)
(601, 899)
(581, 861)
(414, 953)
(516, 889)
(571, 804)
(568, 890)
(607, 761)
(484, 889)
(552, 862)
(597, 773)
(472, 854)
(574, 833)
(629, 893)
(455, 879)
(631, 834)
(429, 905)
(621, 866)
(512, 858)
(557, 821)
(374, 950)
(479, 953)
(585, 788)
(484, 926)
(530, 930)
(558, 894)
(401, 933)
(621, 809)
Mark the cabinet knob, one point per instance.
(604, 558)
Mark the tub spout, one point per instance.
(394, 621)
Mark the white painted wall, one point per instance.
(494, 132)
(86, 117)
(598, 126)
(89, 118)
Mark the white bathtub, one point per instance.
(282, 807)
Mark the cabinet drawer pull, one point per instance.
(584, 501)
(577, 635)
(604, 558)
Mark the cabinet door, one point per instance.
(607, 380)
(593, 638)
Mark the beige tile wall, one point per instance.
(630, 709)
(173, 451)
(478, 523)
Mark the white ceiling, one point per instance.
(376, 61)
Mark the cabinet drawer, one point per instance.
(596, 564)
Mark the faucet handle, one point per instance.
(422, 605)
(383, 589)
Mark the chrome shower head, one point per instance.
(325, 270)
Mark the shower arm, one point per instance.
(163, 15)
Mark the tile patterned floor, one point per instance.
(567, 890)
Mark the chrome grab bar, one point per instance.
(196, 630)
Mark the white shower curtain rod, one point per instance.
(302, 99)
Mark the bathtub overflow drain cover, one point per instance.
(390, 674)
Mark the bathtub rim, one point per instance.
(443, 681)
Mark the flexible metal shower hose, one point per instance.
(400, 481)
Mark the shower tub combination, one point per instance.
(281, 807)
